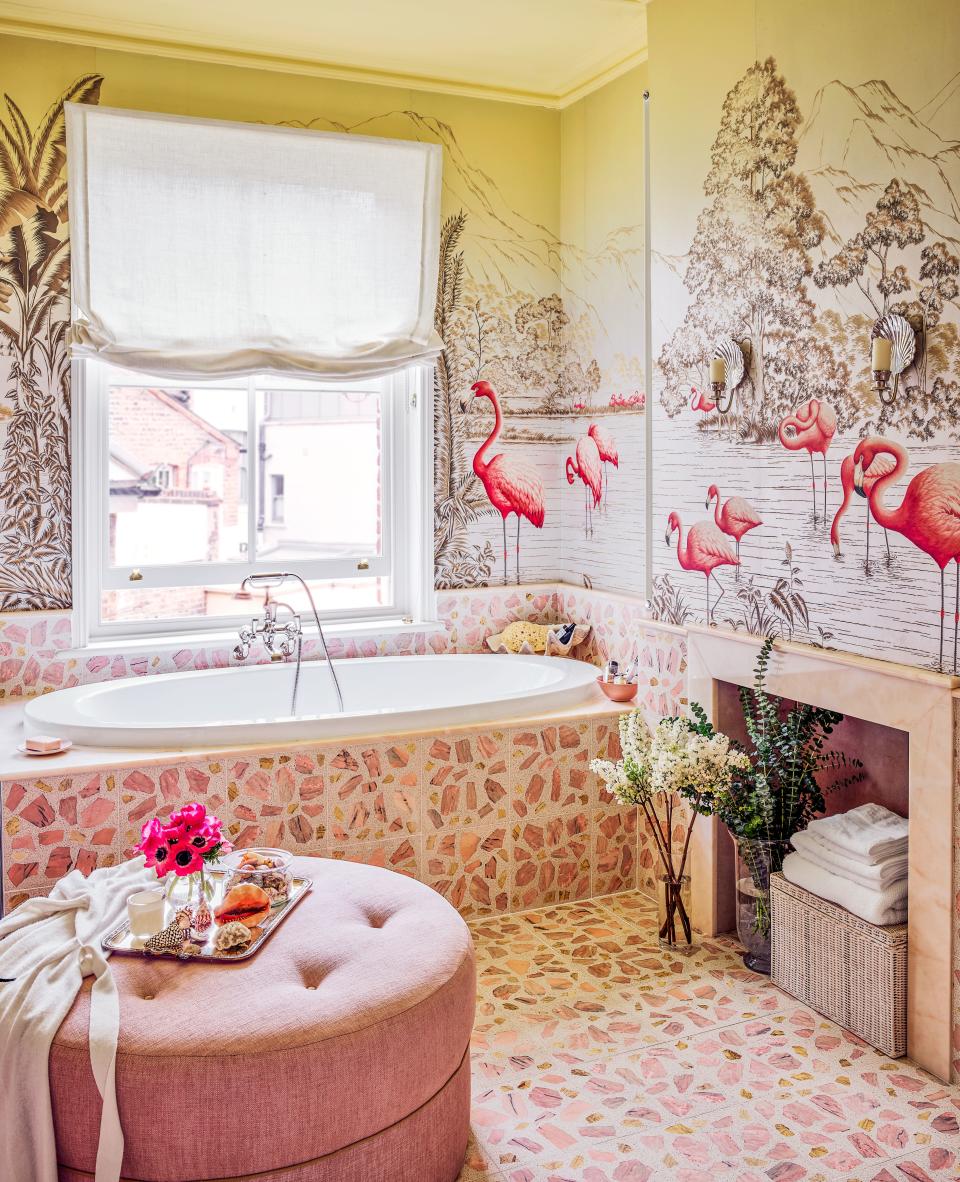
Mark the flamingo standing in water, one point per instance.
(511, 487)
(589, 467)
(881, 466)
(736, 518)
(813, 424)
(928, 515)
(700, 401)
(608, 455)
(706, 548)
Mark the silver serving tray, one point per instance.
(122, 941)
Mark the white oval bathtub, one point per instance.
(251, 704)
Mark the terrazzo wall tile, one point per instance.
(52, 826)
(373, 791)
(272, 800)
(402, 854)
(550, 804)
(30, 654)
(467, 844)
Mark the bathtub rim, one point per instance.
(85, 756)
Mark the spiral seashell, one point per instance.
(246, 903)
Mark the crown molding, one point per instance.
(249, 59)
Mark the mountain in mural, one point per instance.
(856, 138)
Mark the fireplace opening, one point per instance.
(882, 750)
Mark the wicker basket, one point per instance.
(841, 966)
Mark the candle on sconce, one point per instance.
(882, 353)
(718, 370)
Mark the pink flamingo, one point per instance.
(701, 402)
(510, 487)
(928, 515)
(736, 518)
(706, 549)
(608, 455)
(881, 466)
(813, 424)
(589, 468)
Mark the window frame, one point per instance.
(406, 510)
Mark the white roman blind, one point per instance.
(205, 247)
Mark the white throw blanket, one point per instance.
(47, 946)
(879, 907)
(879, 875)
(868, 833)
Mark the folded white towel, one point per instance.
(868, 832)
(878, 876)
(879, 907)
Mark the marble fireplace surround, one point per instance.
(911, 700)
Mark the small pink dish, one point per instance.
(65, 745)
(625, 691)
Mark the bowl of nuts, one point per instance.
(266, 868)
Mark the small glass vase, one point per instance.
(756, 861)
(186, 889)
(675, 929)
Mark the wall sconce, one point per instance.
(727, 368)
(893, 347)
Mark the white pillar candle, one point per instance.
(882, 352)
(718, 370)
(146, 912)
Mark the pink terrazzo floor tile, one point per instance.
(689, 1068)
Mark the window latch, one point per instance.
(363, 564)
(136, 575)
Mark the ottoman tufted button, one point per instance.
(402, 1000)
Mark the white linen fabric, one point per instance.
(877, 875)
(202, 247)
(867, 833)
(880, 907)
(47, 947)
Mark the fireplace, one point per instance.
(899, 720)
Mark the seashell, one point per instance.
(246, 903)
(170, 939)
(732, 355)
(903, 340)
(184, 918)
(232, 937)
(202, 919)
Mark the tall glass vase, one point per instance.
(756, 861)
(673, 912)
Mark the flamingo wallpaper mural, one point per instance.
(825, 203)
(524, 306)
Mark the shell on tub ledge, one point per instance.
(552, 640)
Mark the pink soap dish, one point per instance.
(65, 745)
(624, 691)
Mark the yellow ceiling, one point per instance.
(547, 52)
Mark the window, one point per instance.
(276, 498)
(183, 490)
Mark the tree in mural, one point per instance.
(749, 261)
(34, 318)
(895, 223)
(459, 498)
(875, 260)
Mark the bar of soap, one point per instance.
(43, 744)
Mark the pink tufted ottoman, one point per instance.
(338, 1053)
